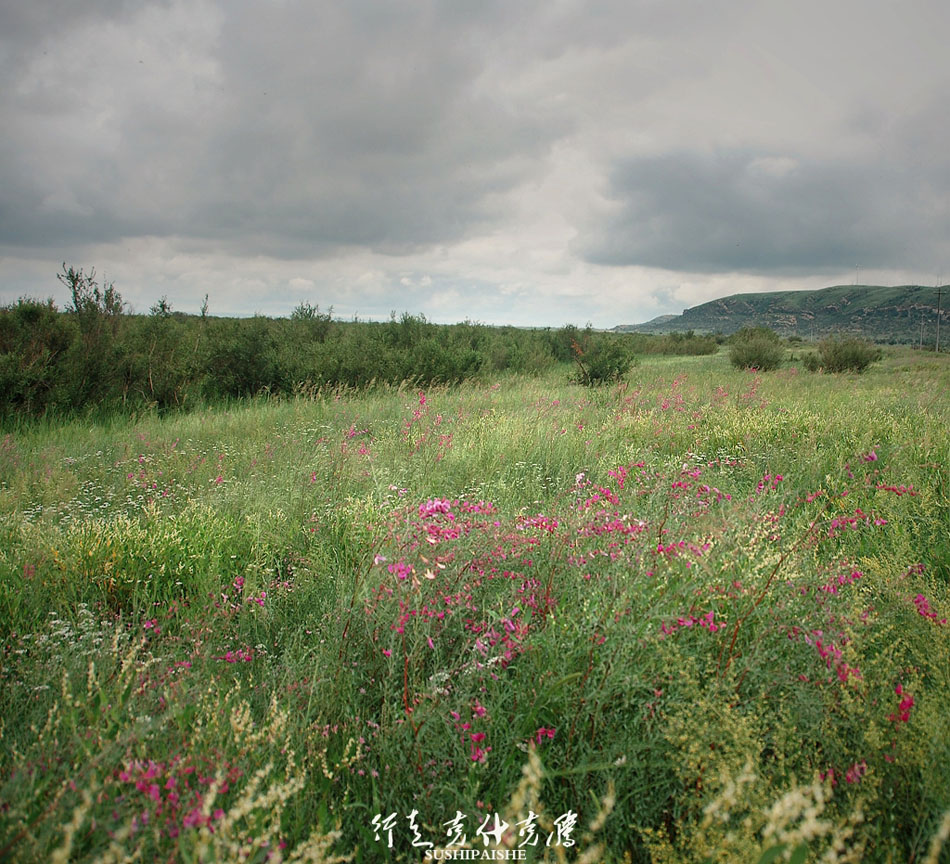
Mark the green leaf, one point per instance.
(799, 855)
(769, 855)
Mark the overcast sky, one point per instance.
(532, 162)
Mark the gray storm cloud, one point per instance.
(292, 127)
(747, 212)
(539, 151)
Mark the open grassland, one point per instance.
(703, 611)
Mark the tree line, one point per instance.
(95, 354)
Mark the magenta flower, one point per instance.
(906, 703)
(401, 570)
(856, 772)
(925, 611)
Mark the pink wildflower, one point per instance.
(906, 703)
(856, 772)
(925, 611)
(401, 570)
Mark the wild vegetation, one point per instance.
(96, 356)
(697, 613)
(842, 355)
(756, 348)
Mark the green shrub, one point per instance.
(34, 342)
(757, 352)
(242, 358)
(684, 344)
(563, 341)
(752, 334)
(601, 358)
(310, 323)
(847, 355)
(96, 362)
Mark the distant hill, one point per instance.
(881, 314)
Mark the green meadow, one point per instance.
(699, 614)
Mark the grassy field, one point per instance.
(699, 615)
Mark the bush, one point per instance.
(34, 342)
(242, 358)
(757, 352)
(601, 358)
(846, 355)
(95, 363)
(684, 344)
(753, 334)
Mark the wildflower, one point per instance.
(906, 703)
(401, 570)
(620, 475)
(924, 610)
(242, 655)
(856, 772)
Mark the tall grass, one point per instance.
(702, 611)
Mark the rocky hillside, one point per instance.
(881, 314)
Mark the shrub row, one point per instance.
(760, 348)
(95, 354)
